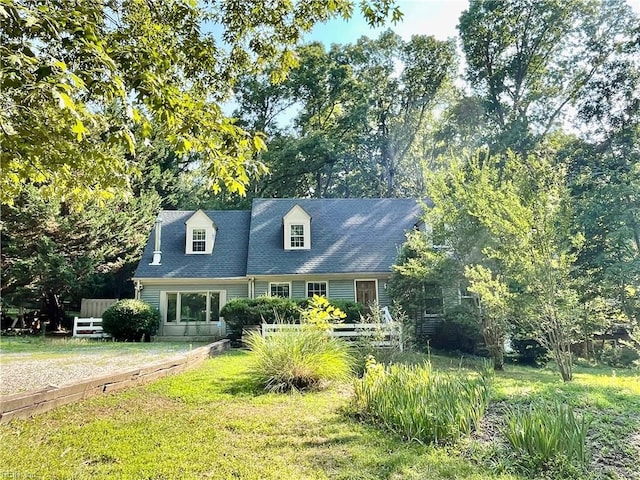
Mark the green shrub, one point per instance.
(240, 312)
(301, 359)
(459, 331)
(528, 351)
(354, 310)
(421, 404)
(618, 356)
(547, 435)
(131, 320)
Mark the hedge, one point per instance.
(241, 312)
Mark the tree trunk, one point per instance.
(498, 359)
(494, 339)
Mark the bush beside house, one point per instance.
(131, 320)
(241, 312)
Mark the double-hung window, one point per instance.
(433, 299)
(199, 240)
(297, 236)
(316, 288)
(280, 290)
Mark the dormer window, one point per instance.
(199, 240)
(297, 229)
(297, 236)
(200, 234)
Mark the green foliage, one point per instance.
(78, 76)
(619, 356)
(459, 331)
(492, 295)
(419, 269)
(606, 192)
(55, 253)
(354, 311)
(303, 357)
(240, 312)
(131, 320)
(298, 359)
(421, 404)
(320, 314)
(529, 70)
(509, 230)
(122, 434)
(547, 435)
(360, 128)
(529, 352)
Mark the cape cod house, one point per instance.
(196, 261)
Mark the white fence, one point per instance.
(378, 334)
(88, 328)
(95, 307)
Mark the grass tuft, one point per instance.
(301, 359)
(545, 435)
(421, 404)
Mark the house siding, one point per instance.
(261, 289)
(383, 297)
(338, 289)
(341, 289)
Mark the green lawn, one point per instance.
(210, 423)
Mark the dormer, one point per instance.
(200, 234)
(297, 229)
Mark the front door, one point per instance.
(366, 292)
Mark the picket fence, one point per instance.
(377, 334)
(88, 328)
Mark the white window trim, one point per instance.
(304, 236)
(281, 283)
(326, 287)
(297, 216)
(193, 239)
(209, 239)
(165, 303)
(199, 221)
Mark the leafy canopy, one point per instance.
(78, 75)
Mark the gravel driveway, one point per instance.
(21, 372)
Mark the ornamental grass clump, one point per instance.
(420, 404)
(302, 358)
(545, 435)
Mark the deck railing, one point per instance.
(376, 334)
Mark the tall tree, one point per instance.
(359, 117)
(77, 76)
(52, 253)
(524, 204)
(531, 60)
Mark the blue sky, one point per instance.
(426, 17)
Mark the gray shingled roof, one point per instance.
(347, 235)
(229, 257)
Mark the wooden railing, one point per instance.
(88, 328)
(377, 334)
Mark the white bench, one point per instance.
(88, 328)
